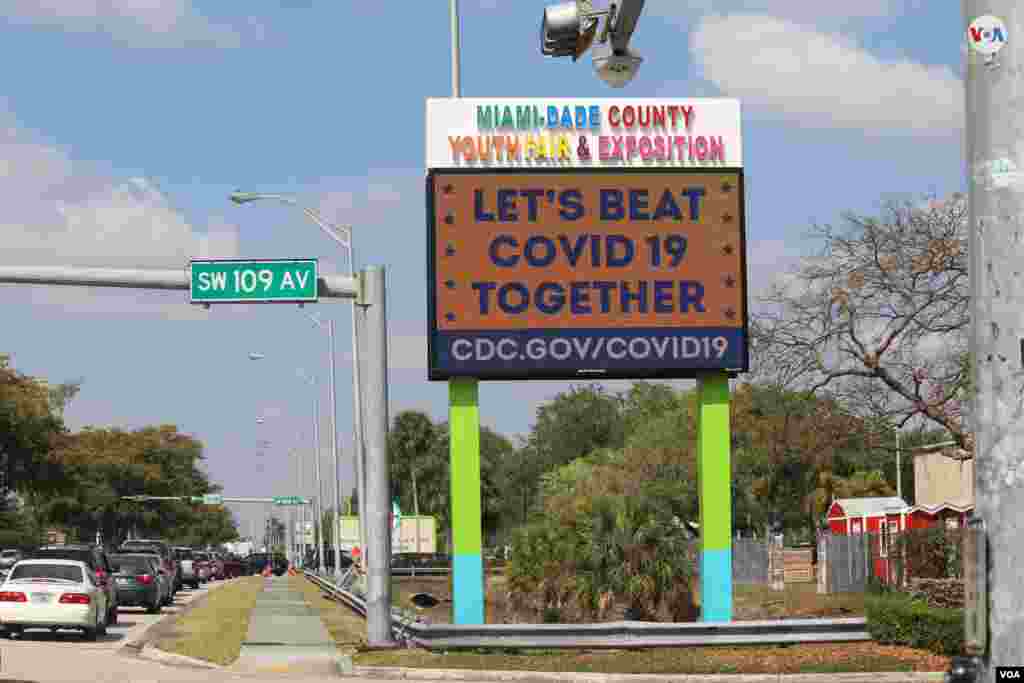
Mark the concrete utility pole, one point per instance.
(373, 339)
(994, 137)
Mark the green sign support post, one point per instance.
(714, 474)
(464, 452)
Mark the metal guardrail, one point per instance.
(631, 634)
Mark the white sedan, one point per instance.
(53, 594)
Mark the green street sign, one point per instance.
(209, 499)
(290, 500)
(222, 281)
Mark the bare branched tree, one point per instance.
(878, 320)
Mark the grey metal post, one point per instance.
(319, 523)
(358, 437)
(453, 12)
(334, 451)
(374, 352)
(994, 136)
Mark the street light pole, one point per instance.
(343, 235)
(994, 159)
(319, 486)
(334, 445)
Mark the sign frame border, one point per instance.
(436, 374)
(201, 302)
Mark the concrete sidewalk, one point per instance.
(285, 635)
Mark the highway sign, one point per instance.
(290, 500)
(253, 281)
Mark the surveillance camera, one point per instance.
(616, 69)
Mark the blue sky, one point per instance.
(123, 127)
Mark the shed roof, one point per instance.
(860, 507)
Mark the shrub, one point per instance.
(903, 620)
(942, 593)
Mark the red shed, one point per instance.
(882, 516)
(867, 515)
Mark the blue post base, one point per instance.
(716, 585)
(468, 587)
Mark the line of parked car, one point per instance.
(82, 586)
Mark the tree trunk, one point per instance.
(415, 495)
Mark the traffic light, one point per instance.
(568, 29)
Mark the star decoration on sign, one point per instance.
(730, 312)
(450, 218)
(726, 186)
(729, 281)
(727, 217)
(727, 249)
(448, 188)
(450, 251)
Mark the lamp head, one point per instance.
(239, 197)
(616, 67)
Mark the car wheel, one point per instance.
(168, 601)
(13, 631)
(112, 616)
(90, 633)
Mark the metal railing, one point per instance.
(631, 634)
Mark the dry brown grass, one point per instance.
(215, 629)
(347, 628)
(803, 658)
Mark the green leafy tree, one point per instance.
(28, 430)
(576, 423)
(413, 458)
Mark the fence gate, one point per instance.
(846, 561)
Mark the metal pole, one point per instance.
(319, 523)
(899, 469)
(358, 438)
(994, 153)
(453, 11)
(373, 317)
(334, 448)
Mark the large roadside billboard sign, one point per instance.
(597, 239)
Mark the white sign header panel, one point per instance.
(583, 133)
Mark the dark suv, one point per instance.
(259, 561)
(162, 548)
(96, 558)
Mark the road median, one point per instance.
(214, 629)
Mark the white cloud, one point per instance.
(135, 23)
(784, 70)
(801, 10)
(58, 211)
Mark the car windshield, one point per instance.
(55, 572)
(61, 553)
(130, 565)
